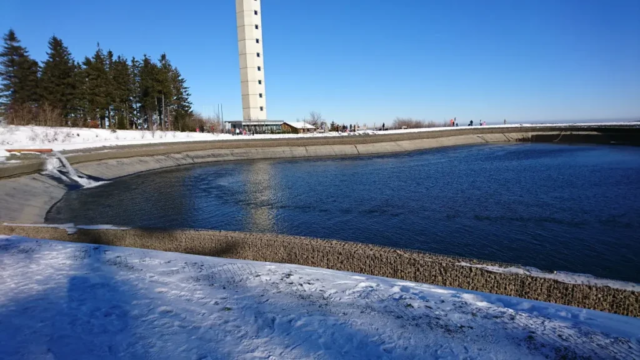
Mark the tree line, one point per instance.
(103, 90)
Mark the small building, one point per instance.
(298, 127)
(255, 126)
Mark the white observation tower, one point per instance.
(254, 98)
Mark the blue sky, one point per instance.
(369, 61)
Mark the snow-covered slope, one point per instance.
(63, 300)
(61, 138)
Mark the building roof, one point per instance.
(255, 122)
(300, 125)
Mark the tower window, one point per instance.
(261, 108)
(255, 12)
(258, 54)
(259, 82)
(259, 68)
(260, 95)
(257, 27)
(257, 41)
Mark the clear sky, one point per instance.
(369, 61)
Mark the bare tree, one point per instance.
(43, 115)
(206, 123)
(215, 122)
(315, 119)
(411, 123)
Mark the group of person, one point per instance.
(481, 123)
(453, 122)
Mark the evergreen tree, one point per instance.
(103, 88)
(80, 104)
(109, 88)
(135, 92)
(180, 104)
(149, 90)
(165, 71)
(97, 82)
(18, 74)
(58, 81)
(122, 92)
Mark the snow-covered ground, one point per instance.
(64, 138)
(61, 138)
(65, 300)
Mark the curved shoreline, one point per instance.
(27, 196)
(347, 145)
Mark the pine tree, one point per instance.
(58, 81)
(97, 82)
(149, 90)
(122, 92)
(109, 88)
(103, 88)
(18, 74)
(135, 92)
(165, 71)
(180, 104)
(80, 104)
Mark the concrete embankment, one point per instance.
(327, 146)
(27, 196)
(114, 168)
(354, 257)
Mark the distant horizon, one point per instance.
(531, 59)
(561, 121)
(489, 122)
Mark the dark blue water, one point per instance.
(555, 207)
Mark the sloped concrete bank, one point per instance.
(111, 169)
(350, 145)
(354, 257)
(26, 196)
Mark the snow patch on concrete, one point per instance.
(565, 277)
(71, 228)
(58, 167)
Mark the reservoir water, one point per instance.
(554, 207)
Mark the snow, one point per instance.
(71, 227)
(300, 125)
(64, 138)
(69, 300)
(566, 277)
(58, 166)
(61, 138)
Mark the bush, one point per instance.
(411, 123)
(25, 114)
